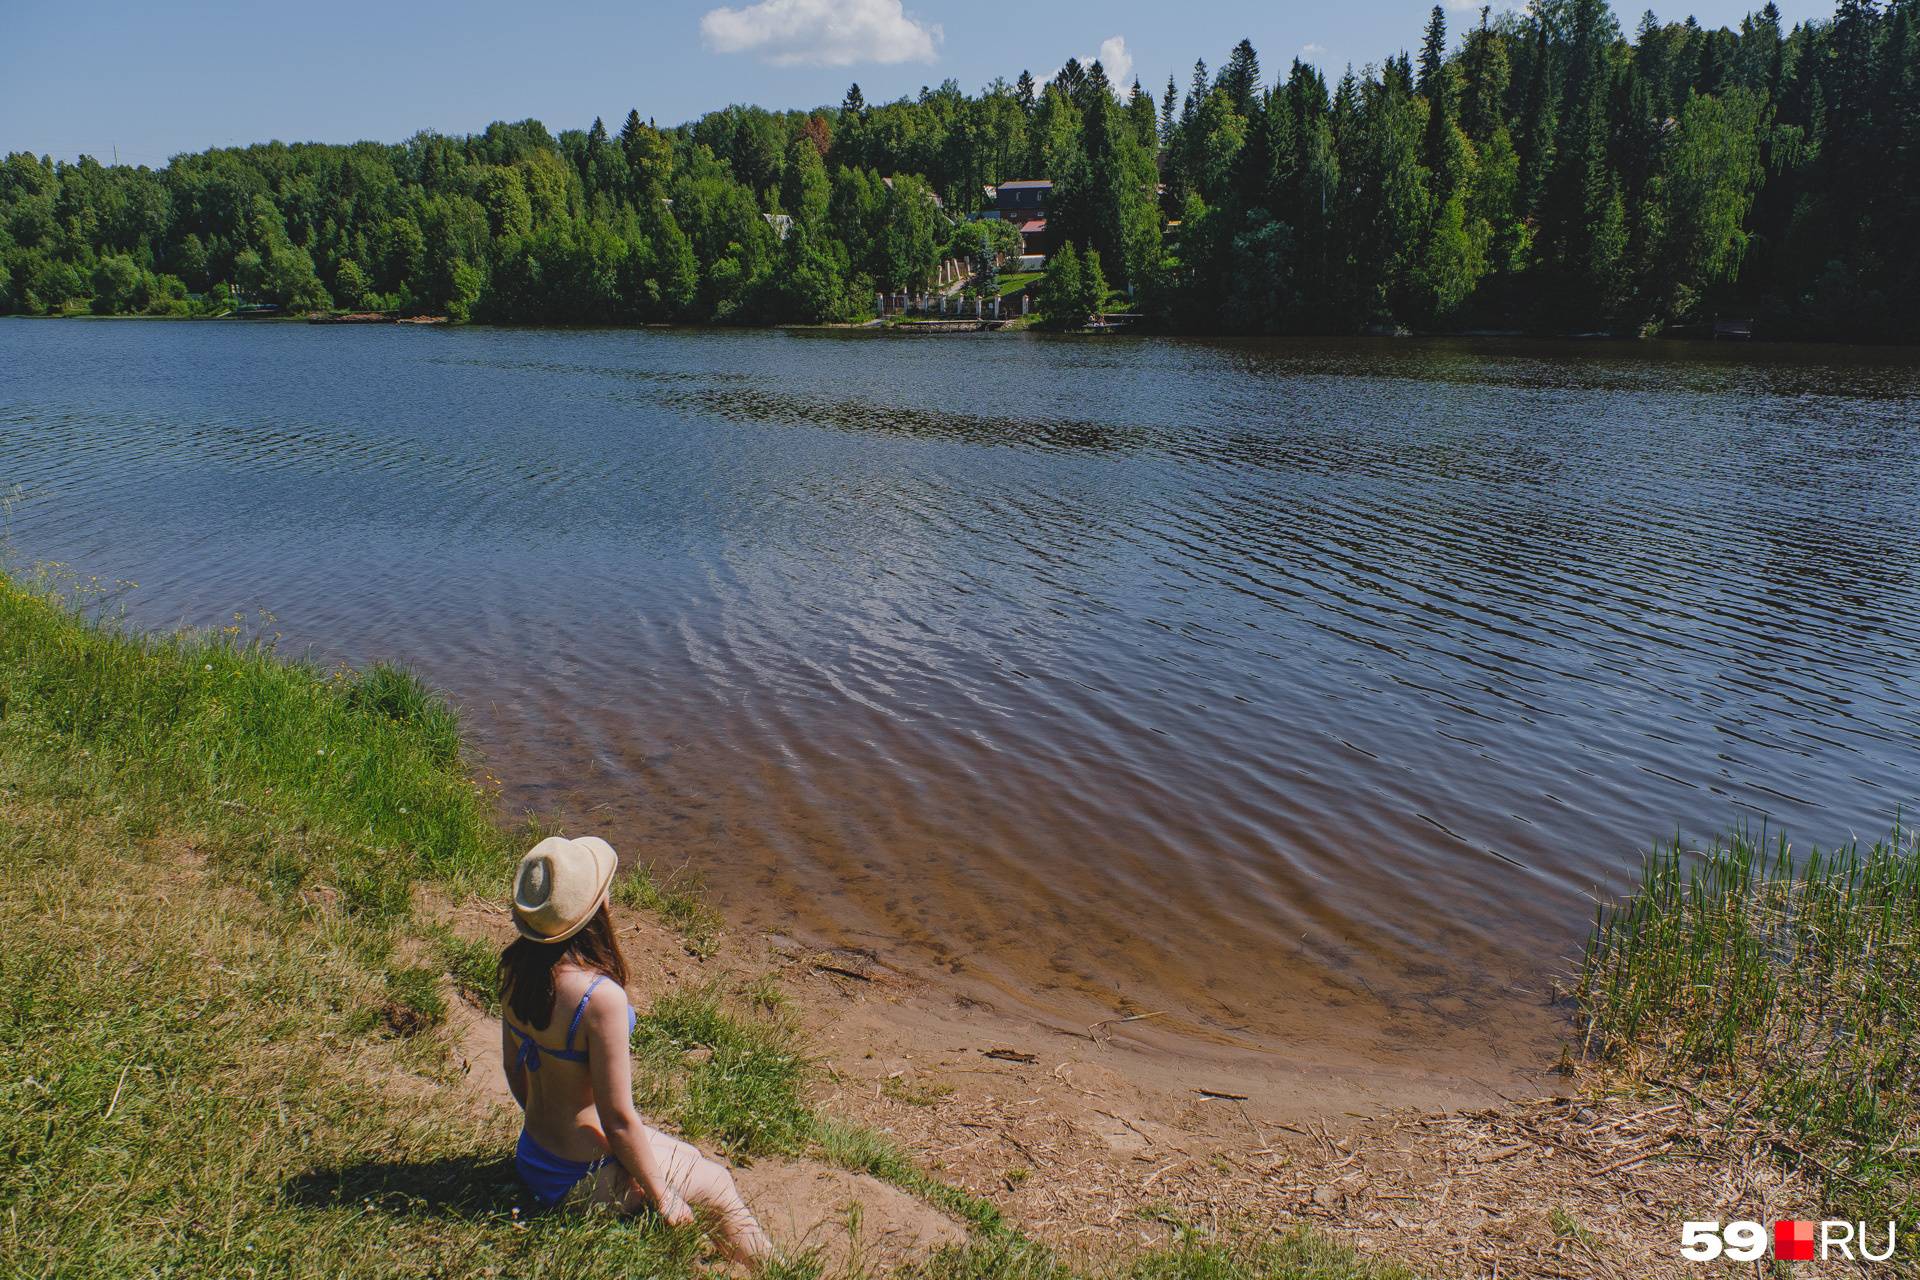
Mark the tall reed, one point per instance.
(1790, 984)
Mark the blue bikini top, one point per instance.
(531, 1049)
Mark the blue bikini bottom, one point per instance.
(548, 1176)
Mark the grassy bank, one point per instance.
(221, 992)
(348, 779)
(1783, 994)
(210, 859)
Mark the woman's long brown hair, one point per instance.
(526, 967)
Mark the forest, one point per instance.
(1543, 171)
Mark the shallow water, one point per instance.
(1300, 690)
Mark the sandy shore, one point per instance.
(1105, 1143)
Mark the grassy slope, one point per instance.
(210, 858)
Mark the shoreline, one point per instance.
(1025, 325)
(345, 871)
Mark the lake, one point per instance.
(1299, 692)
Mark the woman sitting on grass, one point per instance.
(583, 1140)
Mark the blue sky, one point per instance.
(150, 80)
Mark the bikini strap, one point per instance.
(529, 1049)
(582, 1010)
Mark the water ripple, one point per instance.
(1299, 688)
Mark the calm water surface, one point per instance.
(1298, 689)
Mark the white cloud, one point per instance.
(1313, 48)
(1116, 61)
(822, 33)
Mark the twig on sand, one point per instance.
(1095, 1034)
(1618, 1165)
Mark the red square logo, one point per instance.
(1793, 1241)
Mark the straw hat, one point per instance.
(559, 886)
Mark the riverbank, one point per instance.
(249, 1032)
(935, 324)
(237, 1042)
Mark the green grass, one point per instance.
(726, 1075)
(1001, 1256)
(355, 777)
(190, 1083)
(1299, 1255)
(865, 1151)
(680, 900)
(1787, 988)
(474, 966)
(220, 1050)
(416, 991)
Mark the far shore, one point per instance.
(1032, 324)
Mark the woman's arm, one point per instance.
(610, 1062)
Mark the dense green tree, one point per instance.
(1061, 295)
(351, 286)
(1093, 285)
(905, 245)
(1260, 295)
(1142, 118)
(503, 194)
(1549, 173)
(1104, 198)
(117, 286)
(811, 285)
(804, 189)
(1072, 81)
(1053, 137)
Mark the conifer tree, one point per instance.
(1197, 92)
(1140, 111)
(1072, 81)
(1433, 54)
(1097, 83)
(1484, 59)
(1093, 286)
(1535, 143)
(1241, 77)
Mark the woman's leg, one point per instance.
(706, 1184)
(611, 1187)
